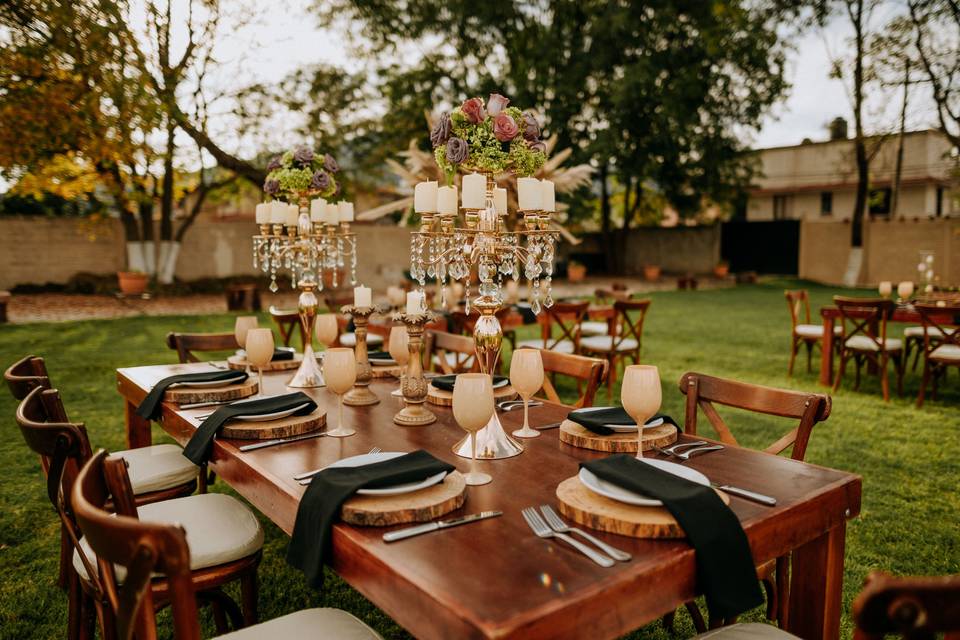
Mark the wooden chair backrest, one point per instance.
(592, 371)
(464, 323)
(703, 390)
(186, 343)
(142, 548)
(337, 301)
(798, 301)
(568, 318)
(945, 318)
(24, 375)
(915, 608)
(441, 343)
(287, 320)
(627, 327)
(867, 317)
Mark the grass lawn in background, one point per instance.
(909, 458)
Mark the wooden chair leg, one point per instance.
(783, 590)
(698, 622)
(923, 382)
(770, 589)
(74, 607)
(858, 361)
(66, 560)
(667, 621)
(884, 383)
(249, 593)
(899, 362)
(793, 355)
(841, 370)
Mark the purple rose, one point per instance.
(303, 156)
(441, 131)
(457, 150)
(496, 104)
(320, 181)
(271, 187)
(531, 128)
(330, 164)
(274, 163)
(537, 145)
(505, 128)
(473, 109)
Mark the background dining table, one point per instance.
(495, 578)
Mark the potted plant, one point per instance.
(576, 271)
(132, 283)
(722, 269)
(651, 272)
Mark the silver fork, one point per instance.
(308, 475)
(692, 452)
(559, 526)
(672, 448)
(541, 530)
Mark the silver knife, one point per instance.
(409, 532)
(770, 501)
(270, 443)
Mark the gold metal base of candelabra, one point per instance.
(360, 395)
(308, 376)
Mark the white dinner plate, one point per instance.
(372, 458)
(266, 417)
(383, 362)
(612, 491)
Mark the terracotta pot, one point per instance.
(721, 270)
(651, 272)
(132, 283)
(576, 272)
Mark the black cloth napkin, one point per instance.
(281, 354)
(200, 445)
(150, 407)
(595, 419)
(445, 383)
(310, 545)
(379, 355)
(725, 570)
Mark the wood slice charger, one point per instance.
(240, 363)
(384, 370)
(283, 428)
(579, 436)
(443, 398)
(418, 506)
(189, 395)
(585, 507)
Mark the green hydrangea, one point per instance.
(522, 160)
(292, 181)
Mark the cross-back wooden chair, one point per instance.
(863, 338)
(802, 331)
(185, 344)
(450, 352)
(600, 319)
(941, 343)
(560, 327)
(144, 549)
(914, 608)
(288, 323)
(702, 391)
(588, 372)
(26, 374)
(625, 342)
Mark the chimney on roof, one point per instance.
(838, 129)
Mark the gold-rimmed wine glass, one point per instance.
(472, 409)
(259, 347)
(526, 376)
(327, 329)
(340, 372)
(641, 396)
(398, 348)
(240, 328)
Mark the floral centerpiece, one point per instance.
(491, 138)
(299, 173)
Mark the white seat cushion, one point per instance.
(161, 466)
(594, 328)
(946, 352)
(747, 631)
(350, 340)
(330, 624)
(606, 343)
(917, 332)
(219, 528)
(564, 346)
(813, 330)
(863, 343)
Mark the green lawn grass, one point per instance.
(908, 458)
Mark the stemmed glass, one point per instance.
(259, 347)
(327, 329)
(472, 409)
(526, 376)
(399, 341)
(240, 328)
(641, 396)
(340, 372)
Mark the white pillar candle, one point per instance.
(362, 297)
(548, 196)
(905, 289)
(425, 197)
(886, 288)
(415, 302)
(474, 191)
(529, 193)
(263, 213)
(331, 213)
(278, 212)
(500, 200)
(447, 200)
(317, 206)
(292, 215)
(345, 211)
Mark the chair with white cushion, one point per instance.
(863, 338)
(163, 551)
(450, 353)
(802, 332)
(913, 340)
(560, 328)
(624, 343)
(940, 353)
(599, 322)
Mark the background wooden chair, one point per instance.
(600, 323)
(625, 341)
(941, 351)
(185, 344)
(915, 608)
(26, 374)
(288, 322)
(865, 340)
(450, 352)
(802, 332)
(564, 319)
(588, 372)
(702, 391)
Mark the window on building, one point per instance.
(780, 207)
(826, 203)
(879, 201)
(939, 201)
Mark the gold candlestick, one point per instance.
(361, 395)
(414, 386)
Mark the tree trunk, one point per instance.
(855, 10)
(146, 233)
(609, 264)
(898, 172)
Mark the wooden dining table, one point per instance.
(495, 578)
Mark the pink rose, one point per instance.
(496, 104)
(473, 109)
(505, 128)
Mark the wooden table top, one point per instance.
(495, 578)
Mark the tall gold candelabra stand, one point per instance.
(310, 251)
(413, 384)
(360, 395)
(443, 250)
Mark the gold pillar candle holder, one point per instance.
(413, 384)
(360, 395)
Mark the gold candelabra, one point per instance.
(361, 395)
(413, 383)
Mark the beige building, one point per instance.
(817, 180)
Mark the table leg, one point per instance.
(138, 429)
(816, 586)
(826, 353)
